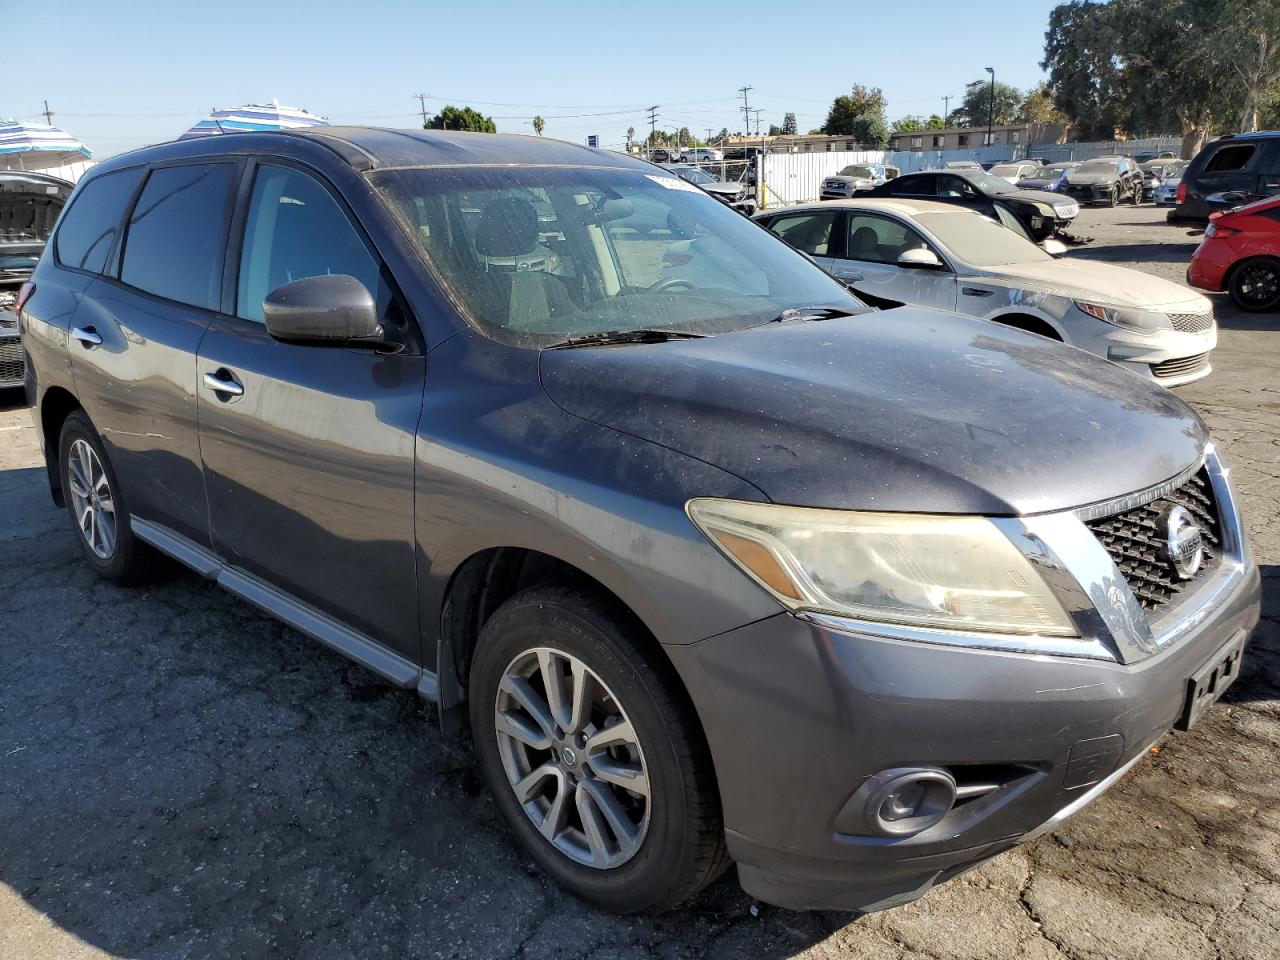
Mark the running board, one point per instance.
(304, 618)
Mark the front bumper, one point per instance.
(799, 714)
(1168, 357)
(12, 359)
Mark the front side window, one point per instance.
(537, 255)
(89, 228)
(952, 187)
(880, 240)
(295, 229)
(175, 243)
(810, 232)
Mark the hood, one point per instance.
(1103, 283)
(29, 207)
(903, 410)
(1039, 196)
(1078, 179)
(729, 189)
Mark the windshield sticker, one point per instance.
(673, 183)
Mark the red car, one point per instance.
(1240, 253)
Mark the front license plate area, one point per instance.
(1208, 683)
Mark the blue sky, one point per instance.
(140, 72)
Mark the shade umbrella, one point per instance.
(33, 146)
(253, 117)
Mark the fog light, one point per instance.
(898, 803)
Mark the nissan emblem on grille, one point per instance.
(1184, 544)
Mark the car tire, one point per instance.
(1254, 284)
(1113, 198)
(97, 507)
(671, 844)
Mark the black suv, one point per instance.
(1246, 166)
(716, 564)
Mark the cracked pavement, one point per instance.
(181, 776)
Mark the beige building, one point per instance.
(971, 138)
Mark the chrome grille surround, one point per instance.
(1191, 322)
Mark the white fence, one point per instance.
(797, 177)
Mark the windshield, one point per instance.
(857, 171)
(1097, 166)
(1005, 170)
(696, 176)
(536, 255)
(979, 241)
(987, 183)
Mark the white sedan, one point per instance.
(938, 255)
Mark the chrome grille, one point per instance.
(1136, 544)
(12, 366)
(1191, 322)
(1181, 366)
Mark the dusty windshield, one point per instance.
(987, 183)
(856, 171)
(979, 241)
(538, 255)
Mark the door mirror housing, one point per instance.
(920, 259)
(1054, 247)
(333, 308)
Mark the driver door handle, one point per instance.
(88, 336)
(976, 292)
(223, 382)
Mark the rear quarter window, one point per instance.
(90, 224)
(177, 234)
(1236, 156)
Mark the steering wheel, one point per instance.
(671, 283)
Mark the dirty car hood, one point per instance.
(1098, 282)
(1089, 179)
(903, 410)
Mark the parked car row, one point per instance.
(926, 253)
(717, 563)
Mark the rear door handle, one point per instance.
(976, 292)
(223, 382)
(88, 336)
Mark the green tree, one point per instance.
(977, 104)
(1250, 36)
(908, 125)
(861, 102)
(789, 127)
(871, 132)
(539, 124)
(1038, 106)
(461, 118)
(775, 130)
(935, 122)
(631, 135)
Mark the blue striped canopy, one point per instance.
(53, 146)
(253, 117)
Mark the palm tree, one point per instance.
(539, 125)
(631, 135)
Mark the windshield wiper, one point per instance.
(624, 336)
(813, 313)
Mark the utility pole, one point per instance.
(48, 114)
(653, 126)
(991, 106)
(422, 100)
(946, 108)
(746, 108)
(709, 136)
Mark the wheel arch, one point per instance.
(1029, 321)
(56, 405)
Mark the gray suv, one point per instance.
(716, 563)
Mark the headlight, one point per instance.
(940, 572)
(1123, 316)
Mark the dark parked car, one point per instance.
(737, 195)
(1243, 165)
(661, 155)
(1049, 177)
(1155, 173)
(29, 207)
(1040, 213)
(1106, 180)
(720, 564)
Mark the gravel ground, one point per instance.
(182, 777)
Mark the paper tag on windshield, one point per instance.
(673, 183)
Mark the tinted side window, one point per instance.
(174, 247)
(912, 186)
(295, 229)
(810, 232)
(949, 186)
(1234, 157)
(89, 227)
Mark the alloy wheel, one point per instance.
(572, 758)
(1259, 284)
(91, 500)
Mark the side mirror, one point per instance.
(1054, 247)
(332, 308)
(920, 259)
